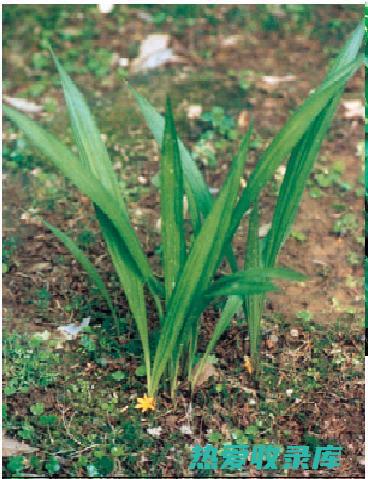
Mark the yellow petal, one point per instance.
(145, 403)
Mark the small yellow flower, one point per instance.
(248, 365)
(145, 403)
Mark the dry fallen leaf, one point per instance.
(274, 80)
(248, 365)
(154, 52)
(71, 331)
(23, 105)
(208, 370)
(12, 447)
(171, 421)
(244, 119)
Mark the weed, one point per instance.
(16, 155)
(28, 362)
(9, 247)
(346, 224)
(221, 129)
(298, 235)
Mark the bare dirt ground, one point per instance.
(333, 293)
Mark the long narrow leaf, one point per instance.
(131, 284)
(232, 306)
(199, 197)
(172, 193)
(200, 265)
(91, 148)
(347, 54)
(234, 283)
(303, 158)
(66, 162)
(349, 50)
(289, 136)
(194, 182)
(84, 261)
(94, 156)
(255, 302)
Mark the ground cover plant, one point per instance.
(72, 410)
(189, 283)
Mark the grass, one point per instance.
(189, 267)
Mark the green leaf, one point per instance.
(172, 191)
(104, 465)
(288, 137)
(254, 303)
(91, 148)
(64, 160)
(52, 465)
(303, 157)
(287, 204)
(251, 281)
(118, 375)
(131, 284)
(47, 420)
(141, 371)
(37, 409)
(84, 261)
(200, 265)
(15, 464)
(199, 197)
(349, 51)
(239, 287)
(93, 154)
(232, 306)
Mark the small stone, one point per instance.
(142, 180)
(186, 430)
(123, 62)
(154, 431)
(294, 333)
(194, 112)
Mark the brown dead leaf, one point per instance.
(248, 364)
(208, 370)
(244, 119)
(12, 447)
(172, 421)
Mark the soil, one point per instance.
(322, 256)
